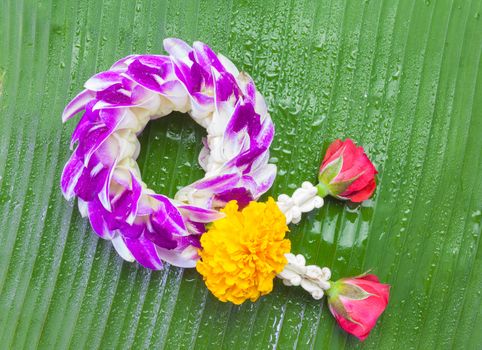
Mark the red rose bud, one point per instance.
(346, 172)
(357, 302)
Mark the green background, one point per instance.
(402, 78)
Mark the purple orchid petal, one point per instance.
(161, 238)
(247, 86)
(197, 83)
(264, 178)
(85, 182)
(122, 64)
(189, 241)
(144, 251)
(109, 152)
(197, 78)
(228, 65)
(246, 158)
(103, 81)
(240, 132)
(147, 75)
(250, 90)
(83, 207)
(77, 104)
(244, 118)
(177, 48)
(203, 101)
(176, 258)
(226, 87)
(167, 224)
(183, 73)
(195, 228)
(260, 162)
(70, 176)
(91, 182)
(134, 199)
(130, 93)
(258, 147)
(123, 208)
(124, 205)
(239, 194)
(173, 90)
(96, 133)
(114, 95)
(133, 231)
(167, 218)
(206, 57)
(156, 61)
(121, 248)
(142, 97)
(81, 129)
(97, 217)
(249, 183)
(221, 181)
(104, 193)
(200, 214)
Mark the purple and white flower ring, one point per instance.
(103, 173)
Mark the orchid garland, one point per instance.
(118, 104)
(215, 224)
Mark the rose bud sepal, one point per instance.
(326, 185)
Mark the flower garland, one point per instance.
(118, 104)
(215, 224)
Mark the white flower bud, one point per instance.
(303, 200)
(311, 278)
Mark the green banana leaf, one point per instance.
(403, 78)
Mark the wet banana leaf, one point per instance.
(402, 78)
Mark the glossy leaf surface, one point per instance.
(401, 78)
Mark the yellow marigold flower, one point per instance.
(242, 252)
